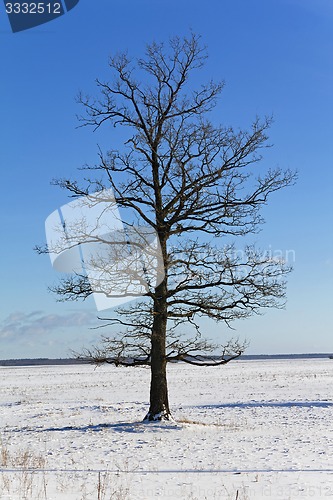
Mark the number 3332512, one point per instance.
(33, 8)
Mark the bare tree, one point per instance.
(198, 186)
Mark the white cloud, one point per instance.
(18, 324)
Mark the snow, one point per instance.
(246, 430)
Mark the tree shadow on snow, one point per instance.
(271, 404)
(132, 427)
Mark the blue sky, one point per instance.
(275, 57)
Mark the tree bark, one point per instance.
(159, 402)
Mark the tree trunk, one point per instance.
(159, 403)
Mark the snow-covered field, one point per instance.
(248, 430)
